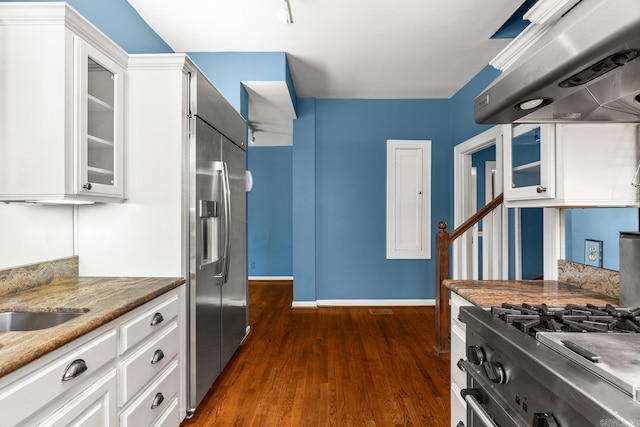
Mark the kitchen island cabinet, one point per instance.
(488, 293)
(125, 347)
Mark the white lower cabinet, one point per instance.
(458, 351)
(48, 384)
(149, 372)
(146, 363)
(154, 400)
(88, 382)
(458, 408)
(95, 406)
(171, 415)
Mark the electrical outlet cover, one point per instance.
(593, 252)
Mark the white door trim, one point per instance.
(489, 223)
(463, 208)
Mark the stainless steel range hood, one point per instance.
(586, 67)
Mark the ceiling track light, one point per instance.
(285, 12)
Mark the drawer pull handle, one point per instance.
(74, 369)
(156, 319)
(157, 401)
(157, 356)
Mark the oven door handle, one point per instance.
(496, 401)
(470, 396)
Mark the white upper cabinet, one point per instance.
(571, 164)
(529, 156)
(62, 113)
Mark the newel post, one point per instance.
(443, 326)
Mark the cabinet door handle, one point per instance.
(157, 356)
(156, 319)
(87, 186)
(157, 401)
(74, 369)
(541, 189)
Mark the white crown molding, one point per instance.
(61, 13)
(514, 50)
(547, 12)
(160, 61)
(543, 15)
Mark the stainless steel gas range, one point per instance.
(552, 366)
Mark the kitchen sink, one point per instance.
(34, 320)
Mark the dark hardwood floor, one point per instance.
(330, 367)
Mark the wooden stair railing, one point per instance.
(443, 242)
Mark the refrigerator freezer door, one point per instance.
(205, 260)
(234, 291)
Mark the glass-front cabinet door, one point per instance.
(529, 161)
(100, 91)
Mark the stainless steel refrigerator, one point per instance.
(217, 237)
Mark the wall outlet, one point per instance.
(593, 252)
(252, 265)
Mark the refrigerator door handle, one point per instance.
(227, 222)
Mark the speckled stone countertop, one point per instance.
(487, 293)
(105, 298)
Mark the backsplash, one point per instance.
(22, 278)
(595, 279)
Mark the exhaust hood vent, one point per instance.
(586, 67)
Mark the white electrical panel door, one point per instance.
(408, 199)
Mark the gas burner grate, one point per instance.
(532, 319)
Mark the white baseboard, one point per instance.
(304, 304)
(270, 277)
(364, 303)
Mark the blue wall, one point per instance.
(532, 247)
(269, 212)
(463, 126)
(478, 161)
(351, 144)
(121, 23)
(598, 224)
(227, 70)
(304, 201)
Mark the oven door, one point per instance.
(485, 407)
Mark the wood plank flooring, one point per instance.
(330, 367)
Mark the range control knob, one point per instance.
(495, 372)
(544, 419)
(475, 354)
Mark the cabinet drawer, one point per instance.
(148, 361)
(458, 350)
(458, 407)
(456, 302)
(142, 412)
(93, 407)
(149, 321)
(31, 392)
(170, 417)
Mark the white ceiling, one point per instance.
(369, 49)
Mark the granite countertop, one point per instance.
(487, 293)
(105, 298)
